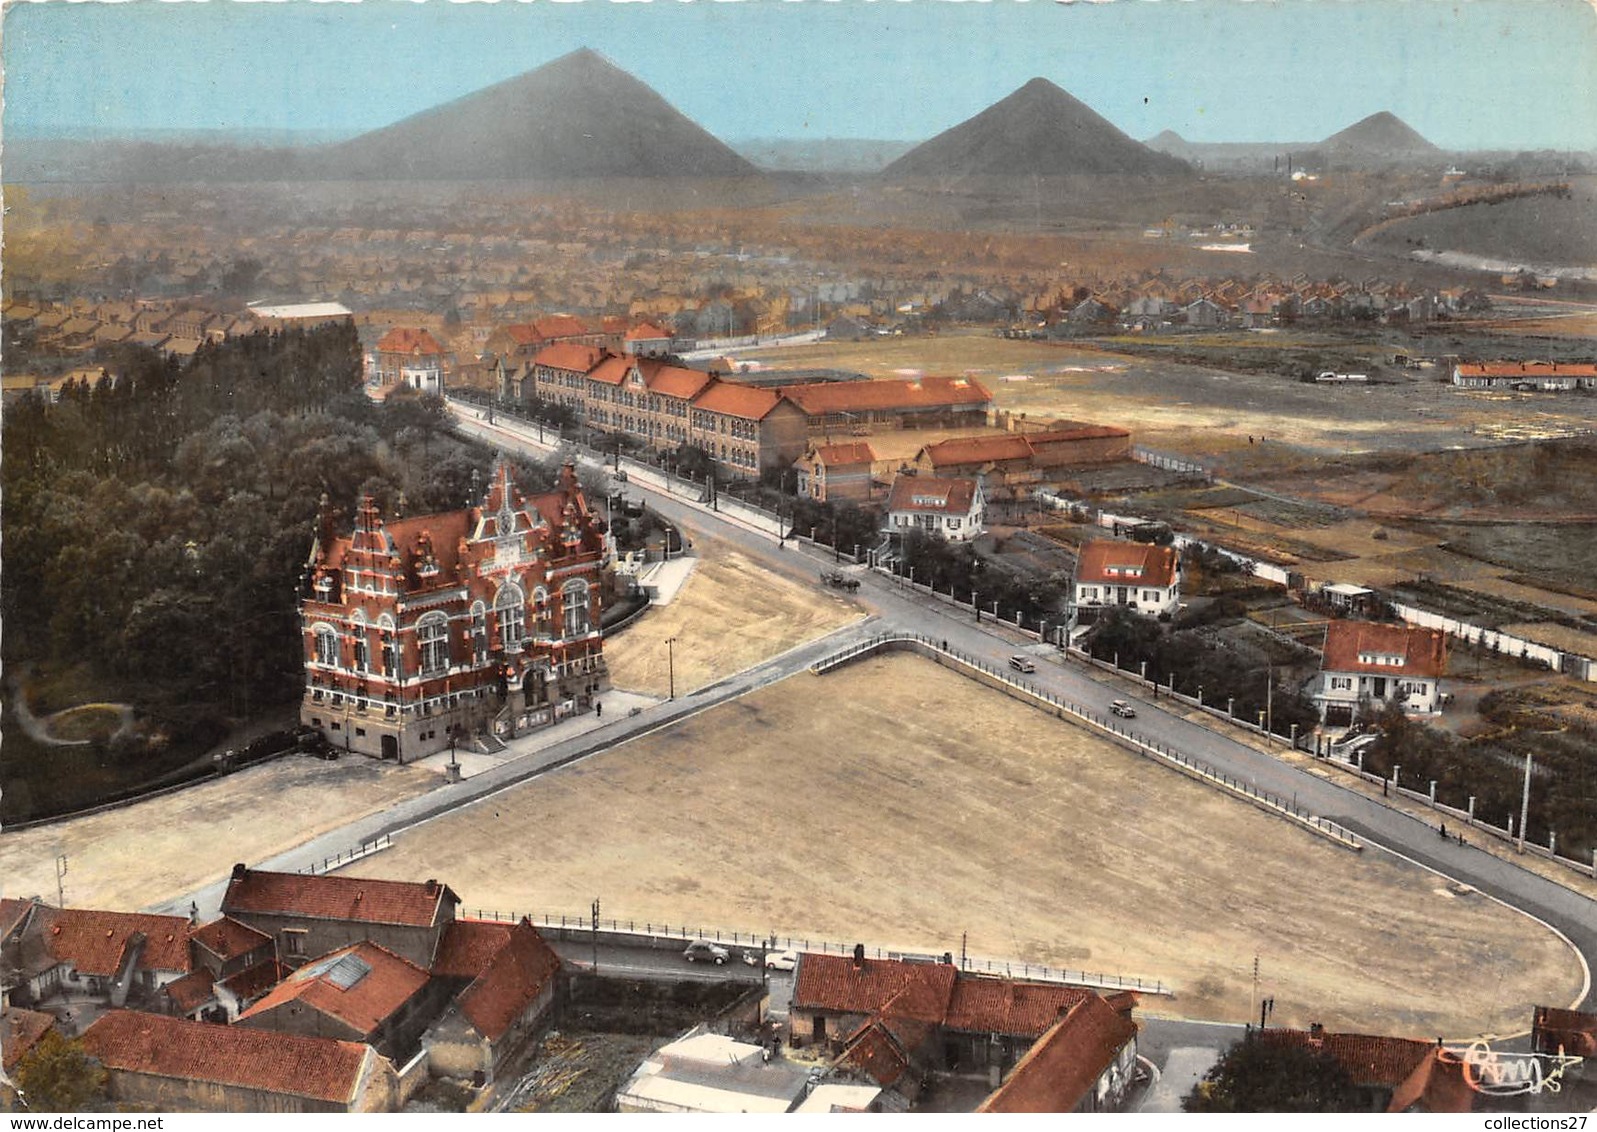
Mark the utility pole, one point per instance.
(670, 667)
(1524, 807)
(61, 872)
(595, 935)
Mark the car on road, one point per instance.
(1123, 709)
(1022, 664)
(782, 960)
(704, 949)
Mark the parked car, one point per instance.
(1022, 664)
(781, 960)
(1123, 709)
(704, 949)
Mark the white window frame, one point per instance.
(432, 636)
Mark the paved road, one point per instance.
(894, 608)
(1383, 828)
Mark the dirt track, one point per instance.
(898, 803)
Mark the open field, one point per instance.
(730, 615)
(898, 803)
(153, 851)
(1201, 412)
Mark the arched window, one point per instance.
(432, 634)
(363, 648)
(479, 633)
(544, 613)
(575, 608)
(385, 628)
(326, 645)
(510, 609)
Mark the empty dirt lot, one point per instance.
(153, 851)
(898, 803)
(730, 615)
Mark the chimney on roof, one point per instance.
(1316, 1031)
(240, 871)
(432, 886)
(859, 956)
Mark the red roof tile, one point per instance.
(1351, 646)
(468, 946)
(356, 899)
(1438, 1084)
(317, 1068)
(190, 992)
(673, 381)
(1573, 1031)
(252, 982)
(874, 1051)
(978, 450)
(1060, 1070)
(733, 400)
(1127, 563)
(887, 394)
(844, 455)
(336, 986)
(1369, 1059)
(1008, 1006)
(228, 939)
(408, 340)
(94, 942)
(612, 370)
(918, 991)
(12, 913)
(554, 326)
(647, 332)
(571, 356)
(928, 495)
(20, 1030)
(515, 977)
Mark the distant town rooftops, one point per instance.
(291, 312)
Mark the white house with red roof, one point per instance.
(1549, 377)
(953, 508)
(1134, 575)
(647, 340)
(407, 356)
(1366, 661)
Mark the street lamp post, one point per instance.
(670, 667)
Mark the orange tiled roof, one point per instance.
(612, 369)
(1424, 651)
(1059, 1071)
(926, 494)
(918, 991)
(733, 400)
(876, 1052)
(978, 450)
(327, 897)
(647, 332)
(468, 946)
(225, 938)
(252, 982)
(868, 396)
(842, 455)
(20, 1030)
(94, 942)
(674, 381)
(1370, 1059)
(334, 985)
(240, 1056)
(192, 991)
(1126, 563)
(573, 357)
(1008, 1006)
(408, 340)
(513, 979)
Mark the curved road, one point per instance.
(895, 609)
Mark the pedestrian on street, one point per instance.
(598, 710)
(1444, 831)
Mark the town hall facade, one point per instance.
(422, 630)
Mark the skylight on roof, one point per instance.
(347, 971)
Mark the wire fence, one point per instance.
(1162, 752)
(645, 930)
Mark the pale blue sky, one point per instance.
(1468, 74)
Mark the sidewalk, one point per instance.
(618, 705)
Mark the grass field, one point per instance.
(897, 803)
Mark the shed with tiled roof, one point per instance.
(172, 1064)
(514, 980)
(1083, 1063)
